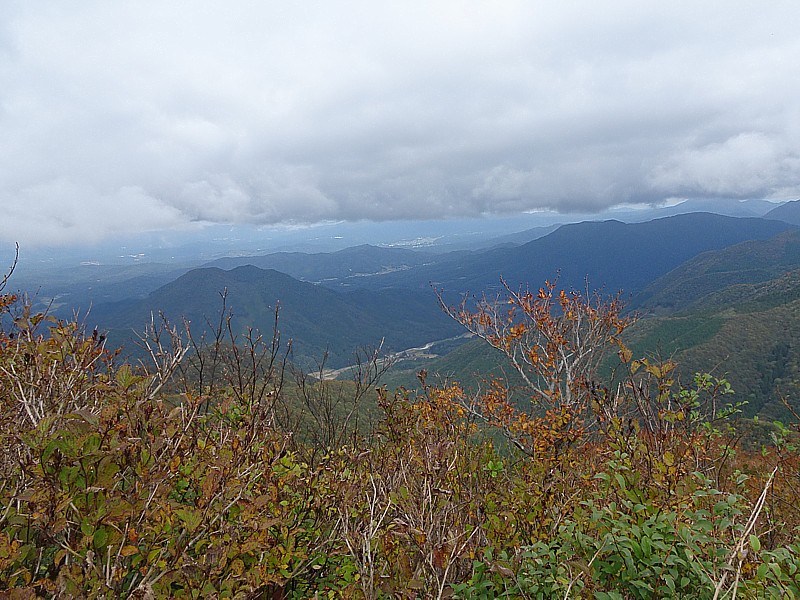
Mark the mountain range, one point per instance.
(365, 294)
(714, 291)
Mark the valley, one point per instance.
(714, 292)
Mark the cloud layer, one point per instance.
(120, 117)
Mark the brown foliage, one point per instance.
(201, 475)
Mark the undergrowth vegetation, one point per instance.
(215, 470)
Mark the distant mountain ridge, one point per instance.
(788, 212)
(388, 294)
(730, 208)
(357, 261)
(317, 319)
(610, 255)
(603, 252)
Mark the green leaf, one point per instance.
(100, 538)
(191, 518)
(91, 443)
(51, 447)
(87, 528)
(755, 543)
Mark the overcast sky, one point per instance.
(135, 116)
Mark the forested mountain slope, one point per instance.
(753, 261)
(734, 311)
(610, 255)
(747, 332)
(391, 297)
(315, 318)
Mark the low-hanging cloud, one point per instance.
(737, 167)
(122, 117)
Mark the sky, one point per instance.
(126, 117)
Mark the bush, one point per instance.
(177, 481)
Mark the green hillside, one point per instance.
(745, 332)
(471, 364)
(736, 311)
(316, 319)
(714, 272)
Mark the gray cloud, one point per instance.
(132, 117)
